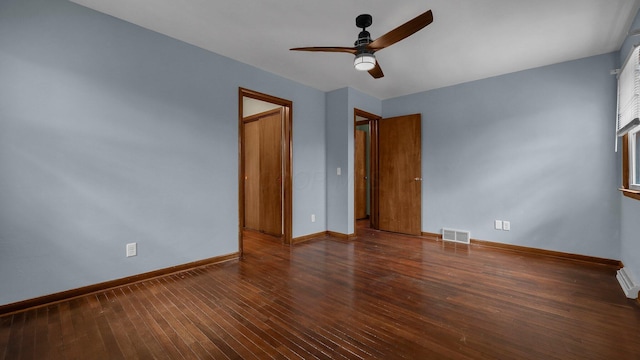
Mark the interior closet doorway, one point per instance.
(365, 169)
(265, 184)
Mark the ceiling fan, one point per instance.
(364, 48)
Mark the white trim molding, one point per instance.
(628, 285)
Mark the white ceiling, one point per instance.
(468, 39)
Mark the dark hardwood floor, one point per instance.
(382, 296)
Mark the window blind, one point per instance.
(629, 93)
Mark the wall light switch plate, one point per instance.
(339, 171)
(132, 249)
(506, 225)
(498, 225)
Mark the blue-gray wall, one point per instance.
(630, 221)
(534, 147)
(337, 146)
(340, 153)
(110, 133)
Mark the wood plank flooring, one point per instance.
(382, 296)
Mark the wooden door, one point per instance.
(263, 172)
(361, 174)
(252, 175)
(271, 174)
(400, 174)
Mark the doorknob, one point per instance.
(418, 179)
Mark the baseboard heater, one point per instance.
(459, 236)
(628, 286)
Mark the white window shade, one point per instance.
(629, 94)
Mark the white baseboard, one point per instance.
(630, 288)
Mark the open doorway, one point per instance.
(365, 169)
(265, 167)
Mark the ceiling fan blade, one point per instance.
(376, 72)
(403, 31)
(350, 50)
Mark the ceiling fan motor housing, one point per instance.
(364, 38)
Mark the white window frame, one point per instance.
(634, 183)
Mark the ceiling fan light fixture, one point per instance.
(364, 62)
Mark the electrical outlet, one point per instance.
(506, 225)
(339, 171)
(132, 249)
(498, 225)
(313, 217)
